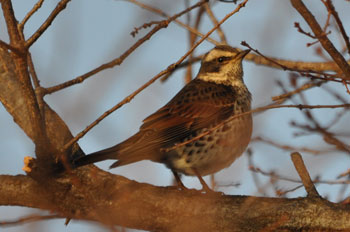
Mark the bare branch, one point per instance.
(60, 7)
(215, 22)
(35, 8)
(146, 25)
(28, 219)
(117, 61)
(298, 90)
(297, 25)
(331, 9)
(114, 200)
(288, 147)
(163, 14)
(304, 175)
(326, 43)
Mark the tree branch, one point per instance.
(92, 194)
(120, 59)
(304, 175)
(325, 42)
(60, 6)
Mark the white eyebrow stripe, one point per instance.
(217, 53)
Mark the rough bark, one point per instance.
(92, 194)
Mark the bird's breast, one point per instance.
(212, 152)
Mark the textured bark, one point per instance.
(14, 99)
(92, 194)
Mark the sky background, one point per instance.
(89, 33)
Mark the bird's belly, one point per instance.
(214, 151)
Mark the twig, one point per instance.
(244, 43)
(323, 77)
(326, 25)
(60, 6)
(304, 175)
(256, 179)
(234, 1)
(331, 9)
(298, 90)
(283, 178)
(28, 219)
(198, 4)
(212, 17)
(346, 86)
(38, 89)
(163, 14)
(344, 174)
(325, 42)
(284, 192)
(292, 65)
(30, 13)
(327, 136)
(280, 64)
(182, 65)
(170, 67)
(297, 25)
(192, 41)
(287, 147)
(32, 71)
(111, 64)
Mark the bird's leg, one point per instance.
(205, 187)
(178, 180)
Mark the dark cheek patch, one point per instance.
(211, 67)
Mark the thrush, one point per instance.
(198, 131)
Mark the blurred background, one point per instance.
(89, 33)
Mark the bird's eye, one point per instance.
(221, 59)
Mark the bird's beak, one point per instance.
(242, 54)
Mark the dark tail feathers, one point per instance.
(93, 158)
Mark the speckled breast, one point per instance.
(215, 151)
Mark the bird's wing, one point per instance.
(198, 105)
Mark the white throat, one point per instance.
(219, 78)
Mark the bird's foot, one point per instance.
(205, 188)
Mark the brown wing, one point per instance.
(198, 105)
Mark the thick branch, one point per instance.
(92, 194)
(14, 74)
(16, 103)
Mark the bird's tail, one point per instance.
(129, 151)
(123, 157)
(95, 157)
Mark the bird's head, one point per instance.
(223, 65)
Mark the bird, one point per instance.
(203, 129)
